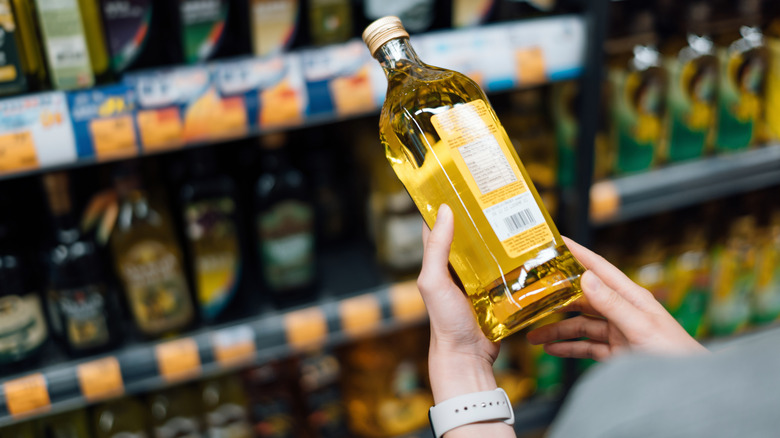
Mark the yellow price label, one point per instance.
(27, 395)
(359, 315)
(406, 302)
(234, 345)
(178, 360)
(160, 129)
(305, 327)
(100, 379)
(17, 152)
(353, 94)
(531, 68)
(113, 137)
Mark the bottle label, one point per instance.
(692, 106)
(766, 300)
(202, 26)
(740, 96)
(402, 240)
(79, 315)
(287, 244)
(466, 13)
(178, 427)
(66, 46)
(228, 421)
(638, 109)
(127, 27)
(156, 287)
(22, 327)
(11, 76)
(417, 15)
(273, 25)
(485, 160)
(211, 232)
(733, 280)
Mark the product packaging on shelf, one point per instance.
(12, 76)
(64, 40)
(274, 25)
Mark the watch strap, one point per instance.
(471, 408)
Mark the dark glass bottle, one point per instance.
(212, 28)
(22, 325)
(285, 225)
(209, 209)
(77, 297)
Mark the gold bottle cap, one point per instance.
(383, 30)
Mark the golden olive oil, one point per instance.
(446, 145)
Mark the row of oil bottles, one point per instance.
(684, 79)
(196, 237)
(69, 44)
(375, 387)
(715, 267)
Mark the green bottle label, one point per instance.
(202, 26)
(66, 46)
(692, 94)
(637, 112)
(287, 245)
(740, 98)
(12, 79)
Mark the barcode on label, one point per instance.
(520, 221)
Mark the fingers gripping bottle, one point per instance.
(446, 145)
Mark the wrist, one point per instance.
(454, 374)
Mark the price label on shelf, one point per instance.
(234, 345)
(604, 201)
(114, 137)
(27, 395)
(17, 152)
(178, 360)
(530, 65)
(160, 129)
(406, 302)
(360, 315)
(100, 379)
(306, 327)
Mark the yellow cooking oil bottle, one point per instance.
(446, 145)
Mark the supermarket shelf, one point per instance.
(148, 366)
(160, 110)
(684, 184)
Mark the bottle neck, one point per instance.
(396, 54)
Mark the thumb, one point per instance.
(611, 304)
(437, 246)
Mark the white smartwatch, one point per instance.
(470, 408)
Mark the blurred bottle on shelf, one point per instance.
(637, 91)
(319, 378)
(417, 15)
(19, 430)
(138, 34)
(22, 325)
(175, 413)
(765, 303)
(285, 225)
(97, 44)
(274, 24)
(13, 78)
(210, 211)
(468, 13)
(30, 50)
(384, 384)
(547, 370)
(225, 408)
(212, 28)
(649, 267)
(64, 41)
(148, 259)
(73, 424)
(689, 58)
(744, 60)
(733, 278)
(772, 40)
(121, 418)
(520, 9)
(330, 21)
(82, 310)
(512, 369)
(271, 401)
(321, 165)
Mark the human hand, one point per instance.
(460, 357)
(618, 316)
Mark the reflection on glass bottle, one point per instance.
(123, 418)
(175, 413)
(285, 225)
(225, 408)
(209, 204)
(81, 311)
(149, 261)
(22, 325)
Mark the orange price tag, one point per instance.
(178, 360)
(406, 302)
(360, 314)
(17, 152)
(113, 137)
(232, 120)
(27, 395)
(530, 65)
(305, 327)
(100, 379)
(353, 94)
(234, 345)
(160, 129)
(280, 105)
(604, 201)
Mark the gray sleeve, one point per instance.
(734, 392)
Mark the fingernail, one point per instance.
(444, 214)
(591, 282)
